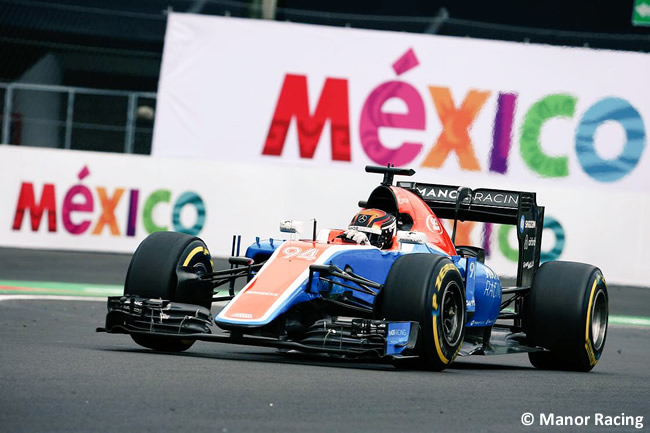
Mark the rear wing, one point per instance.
(492, 206)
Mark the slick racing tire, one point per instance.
(427, 289)
(566, 313)
(153, 273)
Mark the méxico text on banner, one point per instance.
(277, 93)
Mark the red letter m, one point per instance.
(27, 202)
(294, 102)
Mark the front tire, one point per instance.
(154, 273)
(427, 289)
(567, 313)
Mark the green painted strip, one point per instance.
(55, 288)
(630, 321)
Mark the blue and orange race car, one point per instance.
(419, 302)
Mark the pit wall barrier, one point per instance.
(88, 201)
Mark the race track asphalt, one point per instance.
(58, 375)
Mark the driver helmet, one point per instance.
(378, 225)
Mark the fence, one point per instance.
(77, 118)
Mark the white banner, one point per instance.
(458, 110)
(58, 199)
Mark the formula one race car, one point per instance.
(418, 303)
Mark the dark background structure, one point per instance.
(118, 43)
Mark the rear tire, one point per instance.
(153, 274)
(427, 289)
(566, 312)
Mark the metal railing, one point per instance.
(63, 114)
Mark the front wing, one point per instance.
(346, 336)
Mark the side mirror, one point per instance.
(290, 226)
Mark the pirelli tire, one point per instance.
(566, 312)
(154, 273)
(428, 289)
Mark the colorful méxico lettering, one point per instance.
(456, 120)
